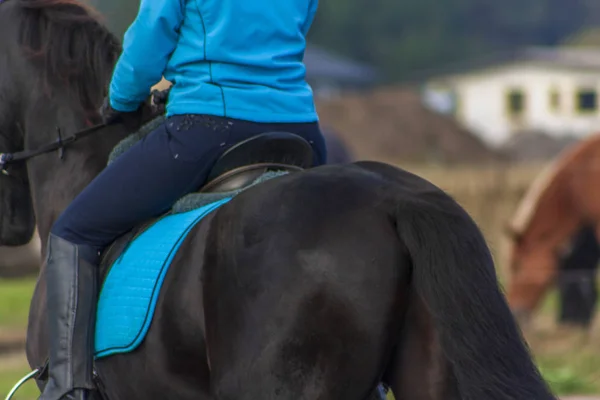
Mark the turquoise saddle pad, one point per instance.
(130, 292)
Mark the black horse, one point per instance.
(315, 285)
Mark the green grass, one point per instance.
(575, 375)
(8, 378)
(569, 362)
(15, 296)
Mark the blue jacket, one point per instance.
(237, 58)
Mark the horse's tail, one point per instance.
(454, 275)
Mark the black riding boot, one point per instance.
(72, 288)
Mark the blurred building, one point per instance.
(549, 90)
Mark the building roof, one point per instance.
(569, 57)
(580, 59)
(321, 64)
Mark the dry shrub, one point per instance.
(391, 123)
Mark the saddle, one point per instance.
(245, 162)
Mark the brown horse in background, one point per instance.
(565, 197)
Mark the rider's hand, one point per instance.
(159, 101)
(160, 97)
(131, 120)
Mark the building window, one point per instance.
(515, 103)
(554, 100)
(586, 101)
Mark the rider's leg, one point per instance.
(150, 177)
(142, 183)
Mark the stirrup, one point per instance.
(33, 374)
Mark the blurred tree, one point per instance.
(403, 36)
(408, 35)
(119, 14)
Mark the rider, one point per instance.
(237, 71)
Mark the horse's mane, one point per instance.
(544, 182)
(69, 43)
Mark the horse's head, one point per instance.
(59, 57)
(531, 264)
(56, 60)
(17, 222)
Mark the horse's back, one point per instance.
(300, 282)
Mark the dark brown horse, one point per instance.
(315, 285)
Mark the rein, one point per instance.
(158, 98)
(59, 144)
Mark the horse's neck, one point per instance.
(556, 216)
(560, 208)
(56, 181)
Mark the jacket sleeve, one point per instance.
(147, 46)
(312, 10)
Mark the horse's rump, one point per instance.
(300, 282)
